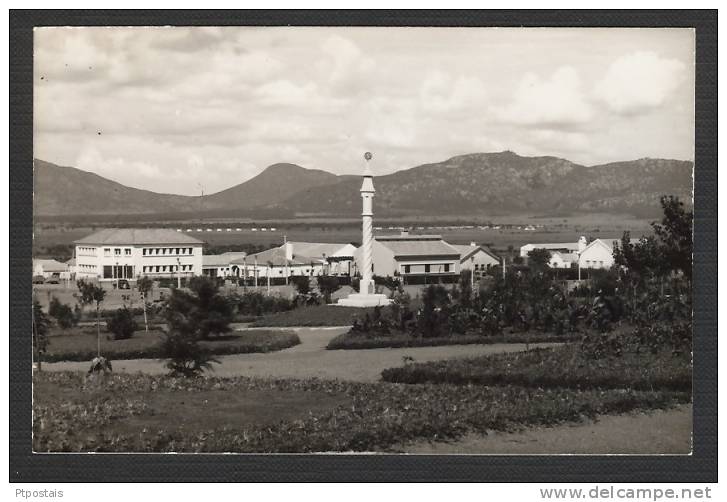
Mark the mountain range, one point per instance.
(473, 184)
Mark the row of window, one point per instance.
(117, 252)
(166, 268)
(86, 251)
(428, 268)
(85, 268)
(592, 263)
(166, 251)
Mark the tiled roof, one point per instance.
(566, 257)
(466, 250)
(422, 246)
(316, 249)
(136, 236)
(276, 258)
(51, 265)
(221, 260)
(573, 246)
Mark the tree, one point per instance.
(63, 314)
(121, 324)
(202, 312)
(92, 294)
(145, 285)
(669, 250)
(433, 316)
(40, 332)
(675, 234)
(538, 258)
(327, 285)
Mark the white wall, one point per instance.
(90, 260)
(597, 255)
(481, 261)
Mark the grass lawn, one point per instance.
(79, 344)
(355, 341)
(142, 413)
(317, 315)
(554, 367)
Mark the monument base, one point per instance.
(364, 300)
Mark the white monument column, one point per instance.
(367, 234)
(366, 297)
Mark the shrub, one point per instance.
(122, 324)
(327, 285)
(202, 312)
(185, 357)
(301, 283)
(64, 315)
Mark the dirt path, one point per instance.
(311, 359)
(655, 432)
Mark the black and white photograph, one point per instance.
(363, 240)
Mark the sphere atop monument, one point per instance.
(368, 156)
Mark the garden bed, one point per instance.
(79, 344)
(565, 367)
(356, 340)
(140, 413)
(318, 315)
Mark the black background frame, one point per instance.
(701, 466)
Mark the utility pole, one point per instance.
(504, 264)
(179, 275)
(255, 272)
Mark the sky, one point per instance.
(185, 110)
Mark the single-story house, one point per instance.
(411, 255)
(476, 257)
(50, 268)
(220, 265)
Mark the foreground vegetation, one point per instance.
(356, 341)
(80, 344)
(565, 367)
(138, 413)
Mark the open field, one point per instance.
(548, 229)
(119, 413)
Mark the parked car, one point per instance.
(38, 279)
(54, 279)
(124, 284)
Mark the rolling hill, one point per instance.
(472, 184)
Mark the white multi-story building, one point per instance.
(129, 253)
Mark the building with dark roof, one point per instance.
(111, 254)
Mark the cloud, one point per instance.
(182, 106)
(639, 81)
(555, 101)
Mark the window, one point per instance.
(108, 272)
(157, 268)
(407, 269)
(177, 250)
(127, 251)
(117, 252)
(107, 252)
(190, 250)
(446, 267)
(426, 268)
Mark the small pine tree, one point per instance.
(122, 324)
